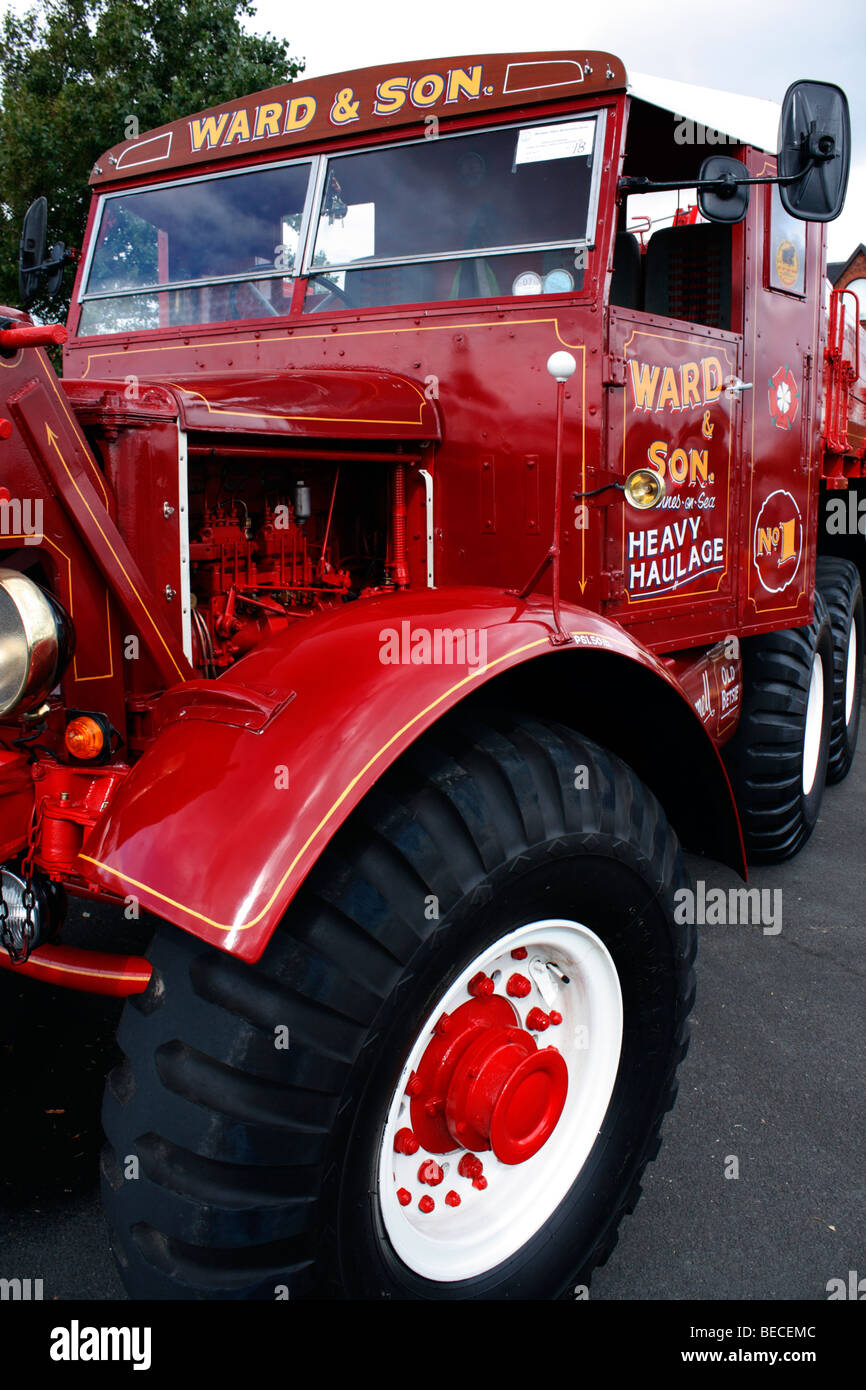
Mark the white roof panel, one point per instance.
(752, 120)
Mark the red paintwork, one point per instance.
(537, 1020)
(480, 985)
(355, 403)
(505, 81)
(430, 1173)
(93, 972)
(46, 335)
(733, 551)
(484, 1084)
(334, 740)
(405, 1142)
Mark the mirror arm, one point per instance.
(68, 258)
(639, 183)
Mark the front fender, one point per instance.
(218, 823)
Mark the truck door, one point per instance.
(672, 570)
(783, 299)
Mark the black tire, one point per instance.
(765, 758)
(839, 583)
(257, 1166)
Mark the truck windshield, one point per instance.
(492, 213)
(200, 251)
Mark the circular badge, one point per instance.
(528, 282)
(558, 282)
(787, 263)
(777, 542)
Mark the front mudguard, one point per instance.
(219, 822)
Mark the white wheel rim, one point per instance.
(814, 724)
(457, 1242)
(850, 672)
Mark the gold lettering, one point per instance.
(204, 134)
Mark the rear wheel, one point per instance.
(777, 760)
(486, 994)
(839, 583)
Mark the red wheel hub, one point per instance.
(482, 1083)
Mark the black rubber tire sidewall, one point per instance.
(765, 757)
(839, 583)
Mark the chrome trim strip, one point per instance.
(183, 533)
(428, 501)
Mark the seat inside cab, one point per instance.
(666, 261)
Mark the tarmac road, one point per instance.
(773, 1080)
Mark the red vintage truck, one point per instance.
(412, 557)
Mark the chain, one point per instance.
(18, 941)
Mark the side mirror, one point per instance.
(728, 201)
(814, 150)
(32, 265)
(32, 249)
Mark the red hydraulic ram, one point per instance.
(33, 335)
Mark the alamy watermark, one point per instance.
(21, 517)
(437, 646)
(689, 132)
(21, 1290)
(720, 907)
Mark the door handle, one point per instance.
(735, 386)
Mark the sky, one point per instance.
(754, 47)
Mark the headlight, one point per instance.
(35, 641)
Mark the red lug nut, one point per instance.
(414, 1085)
(519, 953)
(405, 1142)
(444, 1024)
(452, 1199)
(426, 1204)
(430, 1172)
(555, 1016)
(480, 985)
(470, 1166)
(404, 1196)
(518, 987)
(537, 1020)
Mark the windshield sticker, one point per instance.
(567, 141)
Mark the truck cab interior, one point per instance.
(683, 271)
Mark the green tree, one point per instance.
(72, 73)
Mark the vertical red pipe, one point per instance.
(401, 562)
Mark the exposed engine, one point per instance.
(274, 540)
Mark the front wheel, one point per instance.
(486, 990)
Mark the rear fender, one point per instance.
(219, 822)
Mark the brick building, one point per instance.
(851, 274)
